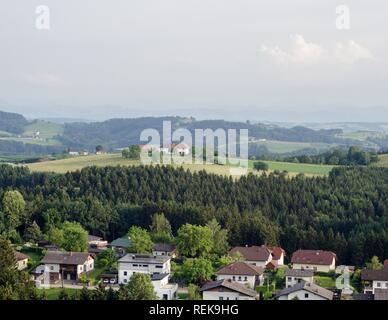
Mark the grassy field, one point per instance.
(305, 168)
(77, 163)
(53, 294)
(383, 161)
(287, 146)
(47, 130)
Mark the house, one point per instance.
(96, 242)
(21, 260)
(227, 290)
(294, 276)
(316, 260)
(277, 256)
(60, 265)
(381, 294)
(374, 279)
(164, 249)
(305, 291)
(256, 255)
(163, 289)
(143, 263)
(243, 273)
(120, 245)
(181, 149)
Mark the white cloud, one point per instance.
(303, 52)
(43, 79)
(351, 52)
(300, 52)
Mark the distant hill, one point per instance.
(12, 122)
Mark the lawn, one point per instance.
(275, 146)
(306, 168)
(77, 163)
(53, 293)
(46, 129)
(324, 281)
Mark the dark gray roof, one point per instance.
(61, 257)
(299, 273)
(164, 247)
(94, 238)
(371, 275)
(232, 285)
(308, 286)
(159, 276)
(143, 258)
(121, 243)
(381, 294)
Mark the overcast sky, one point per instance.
(277, 60)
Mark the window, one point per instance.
(239, 278)
(221, 298)
(315, 268)
(125, 273)
(81, 268)
(135, 265)
(245, 278)
(299, 280)
(306, 295)
(145, 265)
(158, 266)
(227, 298)
(234, 278)
(378, 284)
(52, 268)
(289, 278)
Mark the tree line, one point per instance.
(345, 212)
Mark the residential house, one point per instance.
(316, 260)
(120, 245)
(96, 244)
(294, 276)
(143, 263)
(278, 254)
(381, 294)
(305, 291)
(60, 265)
(21, 260)
(227, 290)
(164, 290)
(374, 279)
(164, 249)
(256, 255)
(243, 273)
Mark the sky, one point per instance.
(275, 60)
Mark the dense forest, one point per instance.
(345, 212)
(12, 122)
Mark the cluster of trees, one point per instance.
(133, 152)
(352, 156)
(14, 285)
(345, 212)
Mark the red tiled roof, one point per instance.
(20, 256)
(319, 257)
(254, 253)
(385, 263)
(276, 252)
(240, 268)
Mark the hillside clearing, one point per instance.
(77, 163)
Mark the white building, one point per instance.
(374, 279)
(305, 291)
(21, 260)
(294, 276)
(316, 260)
(142, 263)
(164, 249)
(243, 273)
(164, 290)
(227, 290)
(256, 255)
(59, 265)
